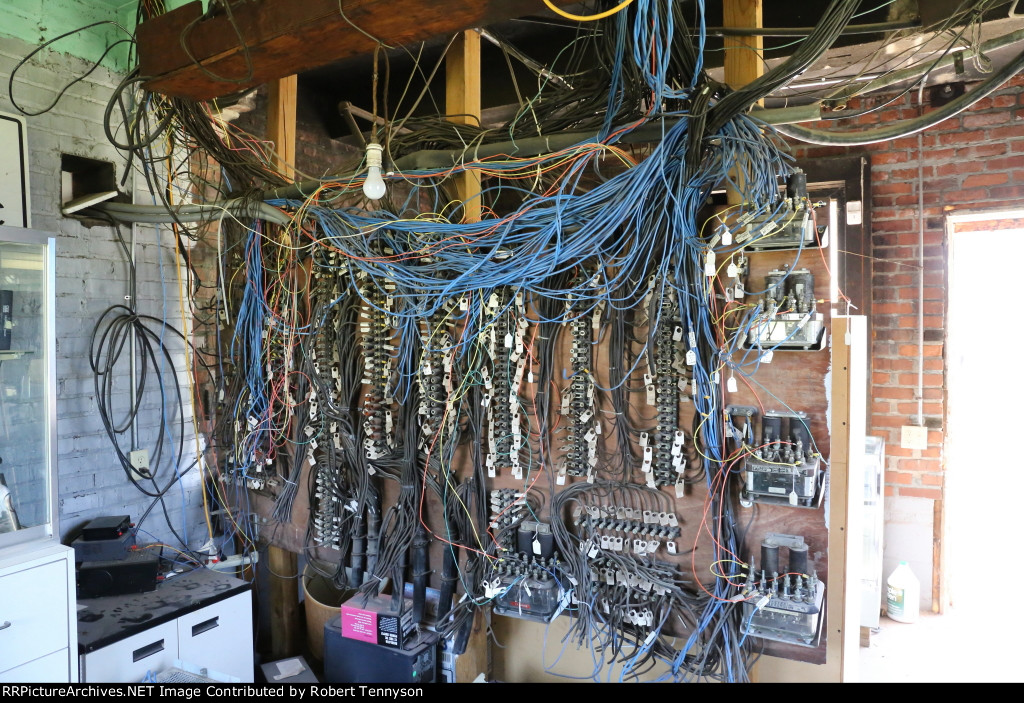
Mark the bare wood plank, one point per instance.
(281, 109)
(275, 38)
(462, 103)
(742, 54)
(938, 556)
(865, 636)
(283, 565)
(284, 602)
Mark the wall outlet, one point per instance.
(139, 459)
(914, 437)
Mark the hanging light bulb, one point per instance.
(373, 186)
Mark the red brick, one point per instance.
(911, 408)
(881, 407)
(933, 493)
(888, 421)
(984, 119)
(893, 364)
(912, 350)
(1004, 164)
(960, 167)
(890, 157)
(892, 189)
(1007, 192)
(880, 378)
(890, 491)
(983, 150)
(896, 477)
(893, 393)
(933, 380)
(1008, 132)
(964, 137)
(893, 309)
(932, 479)
(966, 196)
(983, 180)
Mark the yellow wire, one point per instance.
(588, 18)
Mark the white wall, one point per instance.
(91, 275)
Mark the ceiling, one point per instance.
(542, 36)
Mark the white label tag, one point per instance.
(730, 384)
(691, 357)
(731, 271)
(709, 265)
(726, 236)
(767, 356)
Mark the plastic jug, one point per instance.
(903, 594)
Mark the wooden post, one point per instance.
(845, 507)
(462, 103)
(283, 96)
(284, 602)
(742, 54)
(285, 618)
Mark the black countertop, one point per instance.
(103, 621)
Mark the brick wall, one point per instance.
(92, 274)
(971, 162)
(974, 161)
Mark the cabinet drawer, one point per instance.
(219, 637)
(129, 660)
(33, 613)
(53, 668)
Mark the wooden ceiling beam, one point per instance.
(187, 55)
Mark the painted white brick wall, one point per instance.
(92, 275)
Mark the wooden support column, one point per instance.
(462, 103)
(285, 618)
(742, 54)
(281, 106)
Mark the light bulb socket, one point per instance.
(374, 155)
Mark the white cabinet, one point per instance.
(217, 637)
(37, 617)
(131, 659)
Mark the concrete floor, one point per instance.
(961, 646)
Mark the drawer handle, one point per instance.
(205, 626)
(7, 623)
(148, 651)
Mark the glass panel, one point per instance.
(24, 470)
